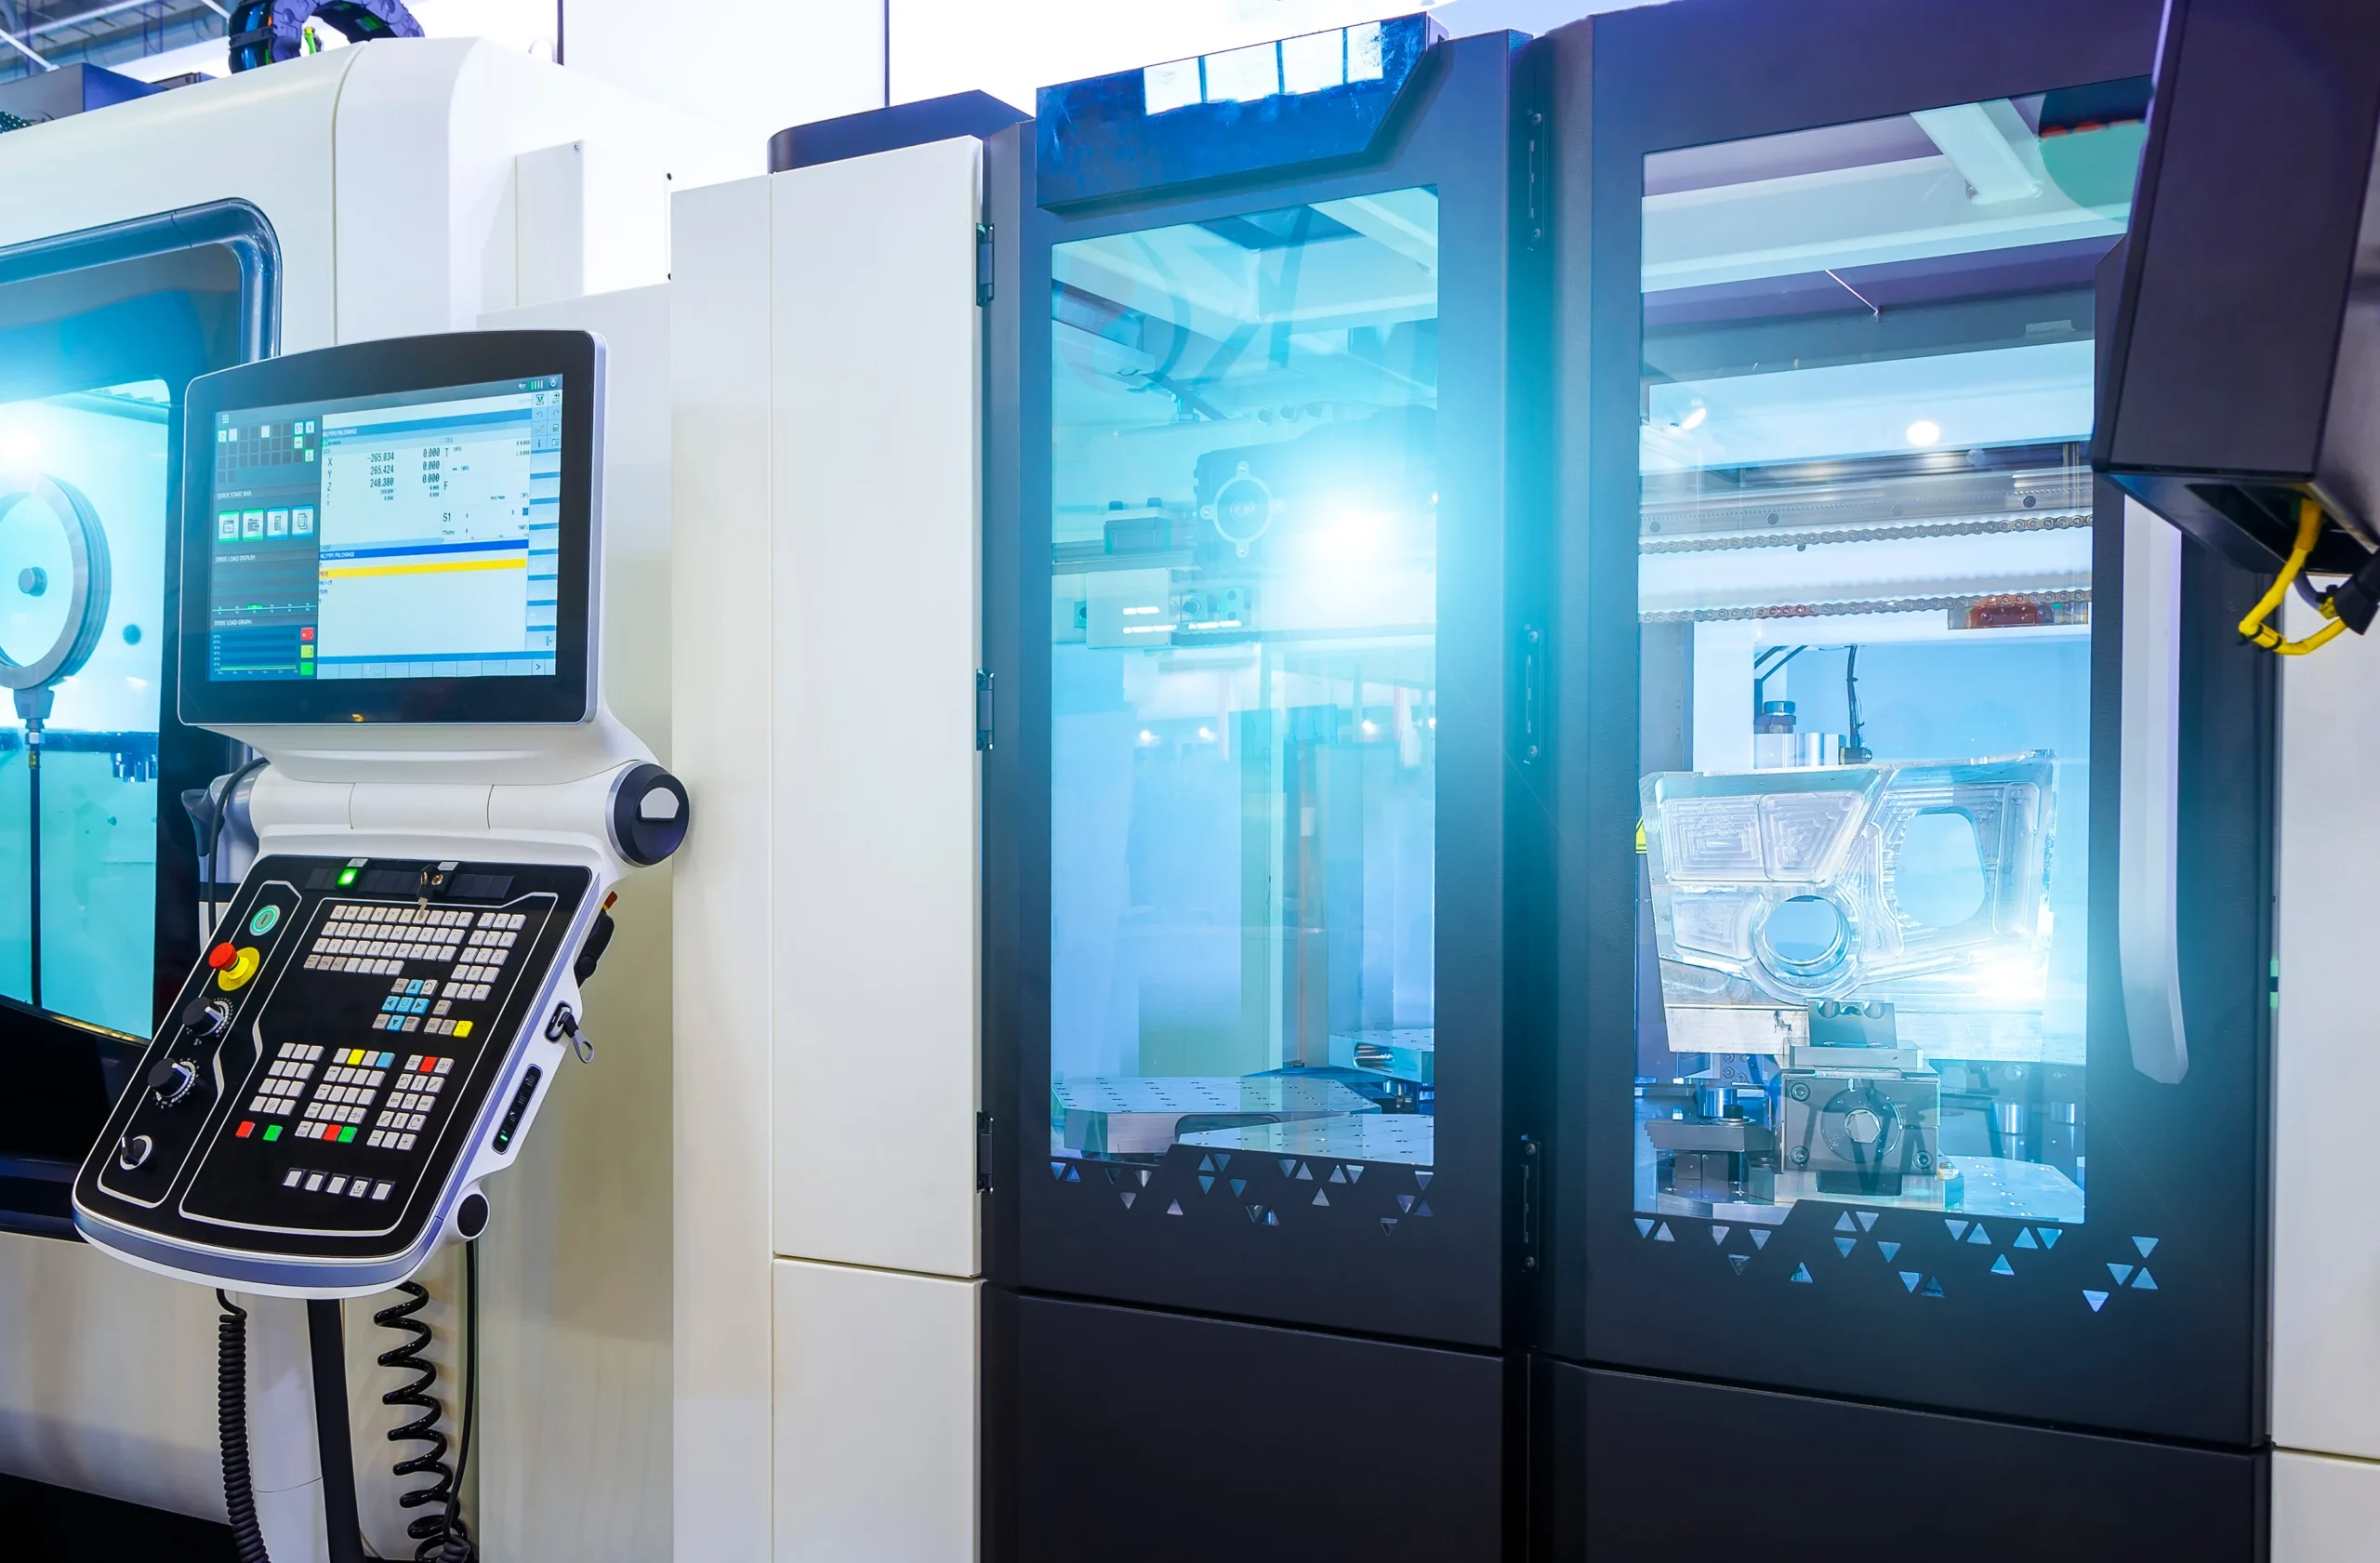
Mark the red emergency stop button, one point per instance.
(222, 956)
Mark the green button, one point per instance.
(347, 1134)
(273, 1131)
(267, 915)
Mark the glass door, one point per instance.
(1861, 1112)
(1260, 536)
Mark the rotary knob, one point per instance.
(207, 1020)
(172, 1081)
(133, 1151)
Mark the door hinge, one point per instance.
(1534, 217)
(1530, 1200)
(983, 263)
(982, 708)
(983, 1153)
(1532, 694)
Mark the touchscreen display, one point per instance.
(406, 536)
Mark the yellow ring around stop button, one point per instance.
(243, 966)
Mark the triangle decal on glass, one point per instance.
(1058, 1170)
(1719, 1234)
(1660, 1237)
(1256, 1214)
(1305, 1174)
(1388, 1224)
(1205, 1163)
(2097, 1299)
(1801, 1273)
(1354, 1174)
(2050, 1236)
(1222, 1160)
(1423, 1209)
(1867, 1221)
(1174, 1209)
(2001, 1267)
(1933, 1287)
(2025, 1237)
(1958, 1229)
(1205, 1183)
(1890, 1251)
(1760, 1237)
(1740, 1261)
(1115, 1175)
(1338, 1174)
(1289, 1166)
(1843, 1223)
(1909, 1278)
(1272, 1218)
(1422, 1180)
(2141, 1281)
(2146, 1245)
(1322, 1197)
(1074, 1174)
(2119, 1271)
(1239, 1187)
(1977, 1236)
(1128, 1197)
(1845, 1245)
(1405, 1202)
(1145, 1176)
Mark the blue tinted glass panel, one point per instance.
(1244, 688)
(93, 460)
(1865, 594)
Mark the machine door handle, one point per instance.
(2149, 851)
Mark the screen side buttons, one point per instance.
(512, 1114)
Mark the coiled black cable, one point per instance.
(432, 1532)
(231, 1427)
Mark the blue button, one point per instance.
(388, 1006)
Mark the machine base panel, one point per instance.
(1633, 1467)
(1168, 1439)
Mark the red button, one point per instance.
(246, 1126)
(222, 956)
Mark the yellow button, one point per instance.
(243, 966)
(462, 1028)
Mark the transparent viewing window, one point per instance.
(82, 516)
(1865, 595)
(1244, 686)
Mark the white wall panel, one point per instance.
(2324, 1510)
(875, 1405)
(2326, 1267)
(876, 469)
(721, 680)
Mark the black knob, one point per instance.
(133, 1150)
(172, 1081)
(207, 1020)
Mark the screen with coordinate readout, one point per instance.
(407, 535)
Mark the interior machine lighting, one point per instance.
(1206, 735)
(1699, 415)
(1923, 432)
(19, 449)
(1147, 737)
(1371, 729)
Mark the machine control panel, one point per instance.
(327, 1068)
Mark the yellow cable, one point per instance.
(2310, 528)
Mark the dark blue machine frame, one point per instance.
(1090, 1430)
(65, 1077)
(2184, 1164)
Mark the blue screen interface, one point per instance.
(412, 535)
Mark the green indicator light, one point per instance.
(273, 1131)
(345, 876)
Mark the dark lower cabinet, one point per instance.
(1643, 1468)
(1162, 1436)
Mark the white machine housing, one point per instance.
(415, 186)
